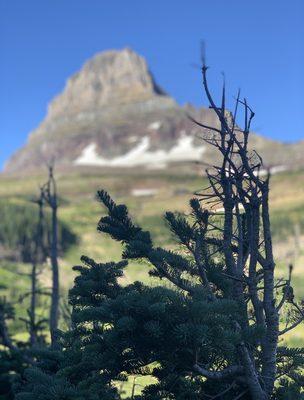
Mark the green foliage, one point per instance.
(11, 365)
(290, 389)
(12, 361)
(162, 331)
(284, 222)
(19, 226)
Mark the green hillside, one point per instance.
(148, 195)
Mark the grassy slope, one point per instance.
(81, 212)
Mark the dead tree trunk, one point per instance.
(37, 259)
(237, 184)
(55, 280)
(50, 196)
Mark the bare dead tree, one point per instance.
(38, 258)
(37, 253)
(244, 238)
(49, 191)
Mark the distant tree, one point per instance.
(49, 196)
(36, 326)
(212, 330)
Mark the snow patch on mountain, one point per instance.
(155, 125)
(144, 192)
(141, 155)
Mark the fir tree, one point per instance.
(78, 366)
(228, 262)
(13, 356)
(184, 334)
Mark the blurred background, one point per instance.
(104, 91)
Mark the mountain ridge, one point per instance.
(112, 113)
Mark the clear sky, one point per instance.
(258, 44)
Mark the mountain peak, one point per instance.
(113, 77)
(112, 114)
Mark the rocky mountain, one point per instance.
(112, 114)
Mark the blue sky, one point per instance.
(258, 44)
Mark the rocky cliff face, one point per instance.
(109, 79)
(113, 114)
